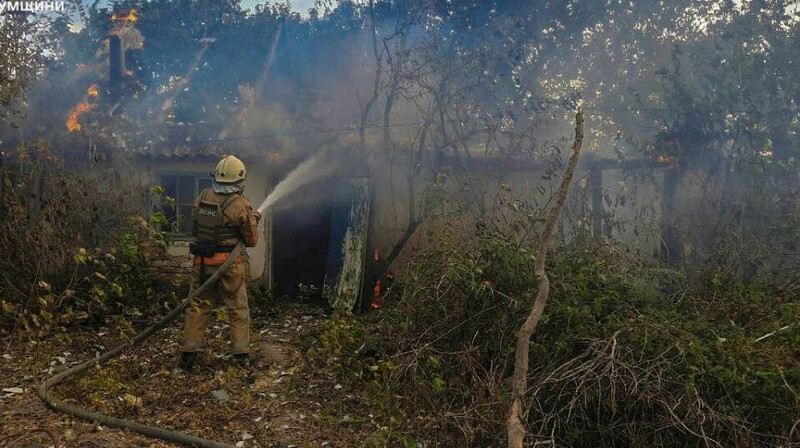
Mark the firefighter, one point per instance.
(221, 217)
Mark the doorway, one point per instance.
(318, 245)
(300, 237)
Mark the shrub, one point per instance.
(70, 241)
(628, 353)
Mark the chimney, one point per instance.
(116, 66)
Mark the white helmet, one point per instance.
(230, 170)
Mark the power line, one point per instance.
(354, 128)
(357, 128)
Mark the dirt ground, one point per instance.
(276, 403)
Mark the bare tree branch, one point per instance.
(515, 427)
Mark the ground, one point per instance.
(279, 402)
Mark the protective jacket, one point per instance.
(222, 219)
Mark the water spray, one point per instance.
(316, 167)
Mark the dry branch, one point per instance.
(514, 425)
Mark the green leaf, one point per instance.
(408, 442)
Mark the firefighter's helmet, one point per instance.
(230, 170)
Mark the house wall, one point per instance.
(632, 203)
(256, 189)
(630, 208)
(635, 205)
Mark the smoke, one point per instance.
(315, 168)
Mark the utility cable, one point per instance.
(54, 403)
(298, 132)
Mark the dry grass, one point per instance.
(276, 402)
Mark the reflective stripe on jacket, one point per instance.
(217, 259)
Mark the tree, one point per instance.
(515, 426)
(25, 42)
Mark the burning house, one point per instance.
(335, 237)
(314, 249)
(328, 238)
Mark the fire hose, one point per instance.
(151, 431)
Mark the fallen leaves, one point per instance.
(142, 386)
(132, 400)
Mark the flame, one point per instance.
(377, 255)
(128, 72)
(376, 296)
(766, 153)
(131, 17)
(79, 109)
(666, 159)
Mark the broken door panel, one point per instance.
(347, 247)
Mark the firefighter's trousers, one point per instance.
(233, 291)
